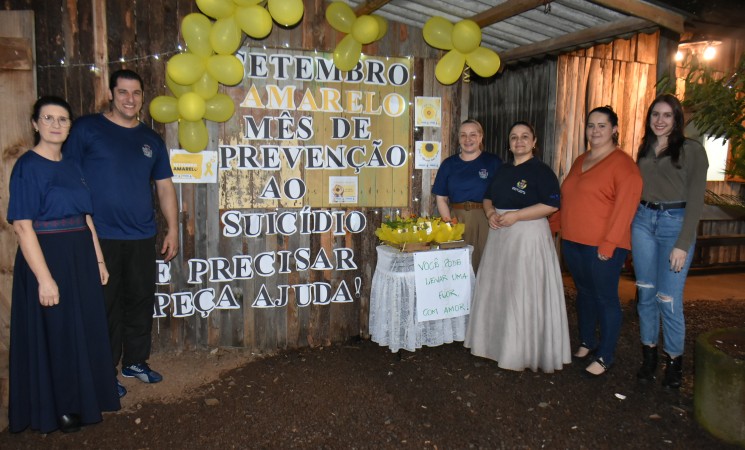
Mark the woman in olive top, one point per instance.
(598, 199)
(664, 233)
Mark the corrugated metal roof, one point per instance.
(524, 29)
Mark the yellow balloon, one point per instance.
(185, 68)
(254, 20)
(225, 36)
(450, 67)
(164, 109)
(227, 69)
(193, 135)
(483, 61)
(382, 26)
(340, 16)
(216, 8)
(466, 36)
(365, 29)
(196, 30)
(247, 2)
(347, 53)
(286, 12)
(176, 89)
(438, 33)
(220, 108)
(205, 87)
(191, 106)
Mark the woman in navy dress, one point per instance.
(60, 358)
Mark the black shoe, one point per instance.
(587, 356)
(673, 372)
(69, 423)
(587, 374)
(647, 371)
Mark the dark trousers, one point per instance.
(598, 304)
(129, 297)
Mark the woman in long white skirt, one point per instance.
(518, 314)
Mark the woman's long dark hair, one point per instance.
(676, 139)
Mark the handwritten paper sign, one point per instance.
(443, 284)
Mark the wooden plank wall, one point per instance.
(716, 222)
(17, 89)
(81, 42)
(555, 95)
(525, 93)
(620, 74)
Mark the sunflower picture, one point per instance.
(428, 111)
(427, 155)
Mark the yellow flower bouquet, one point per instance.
(397, 231)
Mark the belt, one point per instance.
(663, 206)
(467, 205)
(74, 223)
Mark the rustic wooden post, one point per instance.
(100, 53)
(18, 90)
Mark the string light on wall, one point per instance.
(703, 48)
(94, 68)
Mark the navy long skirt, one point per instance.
(60, 358)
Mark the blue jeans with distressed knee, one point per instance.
(653, 236)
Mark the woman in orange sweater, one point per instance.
(599, 198)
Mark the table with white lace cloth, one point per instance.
(393, 306)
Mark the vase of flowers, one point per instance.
(418, 233)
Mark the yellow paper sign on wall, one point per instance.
(300, 122)
(194, 167)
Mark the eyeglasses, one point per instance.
(63, 122)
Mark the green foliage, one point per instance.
(716, 101)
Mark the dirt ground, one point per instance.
(360, 395)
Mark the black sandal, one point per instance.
(590, 353)
(602, 364)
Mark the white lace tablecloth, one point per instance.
(393, 306)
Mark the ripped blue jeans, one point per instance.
(653, 235)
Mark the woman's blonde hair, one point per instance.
(478, 125)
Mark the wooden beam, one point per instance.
(582, 37)
(15, 54)
(508, 9)
(717, 30)
(370, 6)
(101, 53)
(661, 16)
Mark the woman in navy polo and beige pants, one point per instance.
(461, 183)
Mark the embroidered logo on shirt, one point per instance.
(520, 186)
(147, 151)
(483, 174)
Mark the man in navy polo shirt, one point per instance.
(120, 157)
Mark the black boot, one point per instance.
(673, 372)
(649, 364)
